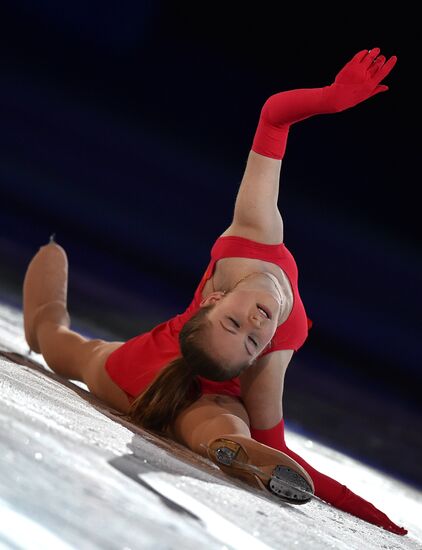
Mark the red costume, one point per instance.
(135, 364)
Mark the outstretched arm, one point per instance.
(256, 208)
(358, 80)
(330, 490)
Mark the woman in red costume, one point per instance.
(212, 377)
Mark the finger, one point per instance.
(376, 65)
(393, 528)
(359, 56)
(378, 89)
(386, 68)
(370, 56)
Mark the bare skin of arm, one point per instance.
(257, 217)
(256, 214)
(262, 389)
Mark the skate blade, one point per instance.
(283, 482)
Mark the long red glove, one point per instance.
(327, 488)
(357, 81)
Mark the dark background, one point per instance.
(125, 129)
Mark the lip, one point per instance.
(266, 309)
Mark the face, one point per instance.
(242, 322)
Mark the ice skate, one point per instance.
(45, 291)
(262, 466)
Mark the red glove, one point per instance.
(358, 80)
(327, 488)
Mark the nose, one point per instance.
(256, 319)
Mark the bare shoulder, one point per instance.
(275, 363)
(266, 235)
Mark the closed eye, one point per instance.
(228, 330)
(253, 341)
(236, 324)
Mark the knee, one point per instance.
(54, 312)
(228, 423)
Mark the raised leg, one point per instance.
(47, 328)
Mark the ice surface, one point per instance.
(75, 475)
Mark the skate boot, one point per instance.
(262, 466)
(45, 291)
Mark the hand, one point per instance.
(356, 505)
(359, 80)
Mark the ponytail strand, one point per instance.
(174, 389)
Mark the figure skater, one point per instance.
(212, 377)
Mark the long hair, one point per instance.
(176, 386)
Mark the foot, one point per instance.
(45, 291)
(261, 466)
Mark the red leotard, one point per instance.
(135, 364)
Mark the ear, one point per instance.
(212, 298)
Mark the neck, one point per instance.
(249, 275)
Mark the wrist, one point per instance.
(339, 97)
